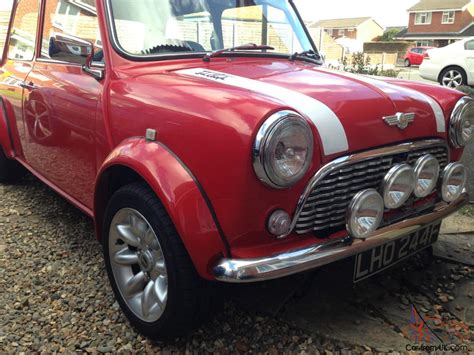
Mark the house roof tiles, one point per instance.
(433, 5)
(341, 22)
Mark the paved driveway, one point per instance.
(468, 159)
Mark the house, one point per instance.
(439, 22)
(362, 29)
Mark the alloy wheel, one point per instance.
(138, 264)
(452, 79)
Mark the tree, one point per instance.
(388, 36)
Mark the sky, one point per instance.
(387, 13)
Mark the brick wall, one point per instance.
(4, 20)
(461, 20)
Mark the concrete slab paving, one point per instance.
(463, 304)
(457, 223)
(468, 160)
(456, 248)
(378, 312)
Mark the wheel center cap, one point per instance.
(146, 261)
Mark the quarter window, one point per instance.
(469, 46)
(69, 30)
(23, 33)
(423, 18)
(448, 17)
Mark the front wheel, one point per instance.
(10, 170)
(453, 77)
(407, 62)
(150, 271)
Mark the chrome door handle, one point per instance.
(28, 86)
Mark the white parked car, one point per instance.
(452, 65)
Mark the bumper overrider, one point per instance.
(424, 153)
(298, 260)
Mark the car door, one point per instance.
(469, 58)
(61, 102)
(19, 63)
(417, 56)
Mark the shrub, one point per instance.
(467, 90)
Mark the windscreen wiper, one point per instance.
(245, 47)
(309, 56)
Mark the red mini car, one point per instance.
(209, 144)
(415, 56)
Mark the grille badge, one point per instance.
(401, 120)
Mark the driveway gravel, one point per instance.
(55, 296)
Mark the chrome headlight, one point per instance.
(461, 125)
(364, 214)
(283, 149)
(398, 185)
(426, 175)
(454, 181)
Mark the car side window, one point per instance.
(23, 32)
(69, 29)
(469, 46)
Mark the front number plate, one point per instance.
(382, 257)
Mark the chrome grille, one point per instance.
(324, 210)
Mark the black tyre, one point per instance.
(10, 170)
(407, 62)
(150, 271)
(453, 77)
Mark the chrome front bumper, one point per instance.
(288, 263)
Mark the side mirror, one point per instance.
(94, 64)
(68, 48)
(72, 49)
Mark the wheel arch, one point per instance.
(186, 203)
(6, 138)
(457, 66)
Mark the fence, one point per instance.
(4, 19)
(383, 60)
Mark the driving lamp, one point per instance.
(426, 175)
(283, 149)
(454, 181)
(398, 185)
(364, 214)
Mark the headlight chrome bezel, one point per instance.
(456, 123)
(263, 139)
(393, 180)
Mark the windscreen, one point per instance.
(150, 27)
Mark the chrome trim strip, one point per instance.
(291, 262)
(354, 158)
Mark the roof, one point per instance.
(467, 32)
(341, 22)
(433, 5)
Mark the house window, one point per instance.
(448, 17)
(66, 16)
(423, 18)
(423, 43)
